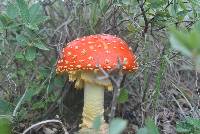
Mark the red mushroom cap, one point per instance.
(94, 51)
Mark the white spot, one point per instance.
(124, 67)
(76, 47)
(109, 67)
(74, 56)
(121, 42)
(69, 53)
(125, 61)
(90, 58)
(135, 68)
(96, 69)
(78, 66)
(107, 51)
(60, 61)
(89, 42)
(89, 65)
(83, 52)
(91, 68)
(91, 47)
(81, 60)
(107, 61)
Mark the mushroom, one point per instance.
(83, 57)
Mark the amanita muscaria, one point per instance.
(81, 59)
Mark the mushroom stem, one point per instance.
(93, 104)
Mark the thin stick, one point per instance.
(19, 104)
(116, 82)
(44, 122)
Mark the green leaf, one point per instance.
(127, 2)
(5, 107)
(21, 72)
(117, 125)
(36, 16)
(38, 105)
(30, 53)
(103, 5)
(182, 5)
(142, 131)
(182, 130)
(5, 20)
(194, 122)
(189, 125)
(178, 42)
(22, 40)
(19, 55)
(14, 26)
(94, 14)
(24, 12)
(58, 80)
(175, 6)
(12, 11)
(152, 128)
(171, 11)
(156, 3)
(196, 26)
(123, 96)
(188, 43)
(35, 10)
(1, 26)
(5, 125)
(183, 127)
(40, 20)
(41, 46)
(29, 94)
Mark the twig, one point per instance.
(146, 23)
(19, 104)
(44, 122)
(181, 110)
(116, 81)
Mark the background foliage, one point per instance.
(161, 97)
